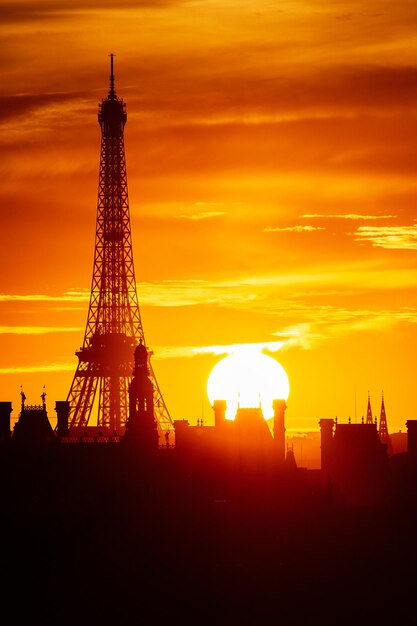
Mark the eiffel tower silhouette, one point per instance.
(99, 391)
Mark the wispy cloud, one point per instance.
(303, 335)
(347, 216)
(171, 352)
(277, 292)
(76, 295)
(28, 10)
(292, 229)
(172, 293)
(327, 322)
(64, 366)
(391, 237)
(35, 330)
(167, 293)
(205, 203)
(17, 105)
(233, 348)
(313, 326)
(203, 215)
(266, 293)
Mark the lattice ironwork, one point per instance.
(99, 391)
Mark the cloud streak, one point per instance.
(174, 352)
(179, 293)
(29, 11)
(323, 323)
(203, 215)
(389, 237)
(39, 368)
(236, 348)
(17, 105)
(347, 216)
(267, 293)
(292, 229)
(81, 295)
(35, 330)
(315, 326)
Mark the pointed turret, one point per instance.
(290, 462)
(369, 419)
(383, 427)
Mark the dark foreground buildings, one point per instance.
(220, 528)
(113, 524)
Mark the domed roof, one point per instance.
(141, 354)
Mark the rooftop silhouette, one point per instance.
(138, 517)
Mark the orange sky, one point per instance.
(271, 155)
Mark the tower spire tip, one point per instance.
(112, 92)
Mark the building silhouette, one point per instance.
(141, 426)
(355, 459)
(248, 436)
(218, 514)
(33, 426)
(112, 523)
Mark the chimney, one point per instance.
(62, 408)
(219, 407)
(326, 430)
(412, 440)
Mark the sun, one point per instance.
(248, 378)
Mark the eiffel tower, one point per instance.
(99, 391)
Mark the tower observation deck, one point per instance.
(99, 391)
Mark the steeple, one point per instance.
(369, 419)
(383, 427)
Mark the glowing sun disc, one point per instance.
(248, 379)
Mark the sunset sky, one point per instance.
(272, 167)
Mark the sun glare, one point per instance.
(248, 378)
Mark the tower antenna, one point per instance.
(112, 92)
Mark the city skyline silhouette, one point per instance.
(269, 220)
(266, 205)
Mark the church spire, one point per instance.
(369, 419)
(383, 427)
